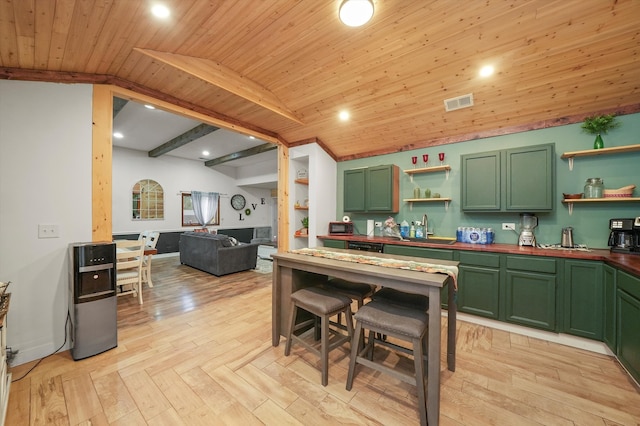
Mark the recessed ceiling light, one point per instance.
(486, 71)
(118, 135)
(252, 137)
(147, 106)
(355, 13)
(205, 153)
(160, 11)
(344, 115)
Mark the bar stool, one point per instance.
(353, 290)
(402, 323)
(321, 303)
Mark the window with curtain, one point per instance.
(189, 216)
(147, 200)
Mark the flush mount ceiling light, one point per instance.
(355, 13)
(118, 135)
(344, 115)
(160, 11)
(486, 71)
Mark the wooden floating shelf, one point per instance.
(442, 168)
(601, 200)
(301, 208)
(304, 181)
(428, 200)
(602, 151)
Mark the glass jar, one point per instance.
(594, 188)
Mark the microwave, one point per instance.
(340, 228)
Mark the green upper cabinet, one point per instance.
(354, 184)
(481, 181)
(372, 189)
(510, 180)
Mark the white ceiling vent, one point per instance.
(463, 101)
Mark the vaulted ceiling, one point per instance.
(285, 68)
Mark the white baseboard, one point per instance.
(560, 338)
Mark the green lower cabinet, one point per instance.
(583, 298)
(479, 284)
(628, 322)
(530, 291)
(335, 244)
(609, 307)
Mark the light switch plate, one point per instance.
(48, 231)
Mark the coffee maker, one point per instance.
(625, 235)
(528, 222)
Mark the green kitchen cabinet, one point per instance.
(628, 322)
(481, 181)
(372, 189)
(340, 244)
(479, 284)
(609, 307)
(509, 180)
(530, 291)
(354, 190)
(583, 294)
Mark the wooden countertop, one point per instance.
(627, 262)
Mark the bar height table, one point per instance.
(288, 276)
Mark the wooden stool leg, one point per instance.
(355, 344)
(324, 350)
(292, 321)
(420, 378)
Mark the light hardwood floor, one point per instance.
(198, 352)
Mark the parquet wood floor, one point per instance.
(198, 352)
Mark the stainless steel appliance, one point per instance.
(340, 228)
(357, 245)
(625, 235)
(528, 222)
(93, 304)
(566, 239)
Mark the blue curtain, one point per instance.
(205, 205)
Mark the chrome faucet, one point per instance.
(424, 223)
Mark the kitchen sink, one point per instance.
(433, 240)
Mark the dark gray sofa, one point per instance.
(215, 254)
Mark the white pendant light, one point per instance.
(355, 13)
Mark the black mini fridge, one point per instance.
(93, 300)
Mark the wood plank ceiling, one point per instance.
(287, 67)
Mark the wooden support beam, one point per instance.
(217, 74)
(241, 154)
(183, 139)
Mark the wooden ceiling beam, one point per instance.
(241, 154)
(217, 74)
(183, 139)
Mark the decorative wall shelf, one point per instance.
(570, 202)
(603, 151)
(444, 168)
(304, 181)
(300, 208)
(427, 200)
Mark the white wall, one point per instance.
(176, 175)
(45, 178)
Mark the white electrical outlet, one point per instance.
(508, 226)
(378, 224)
(48, 231)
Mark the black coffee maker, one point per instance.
(625, 235)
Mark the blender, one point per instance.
(528, 222)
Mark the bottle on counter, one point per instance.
(420, 233)
(404, 229)
(412, 230)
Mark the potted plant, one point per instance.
(599, 124)
(305, 225)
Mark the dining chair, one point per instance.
(129, 256)
(150, 239)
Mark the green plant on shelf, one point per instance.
(599, 125)
(305, 222)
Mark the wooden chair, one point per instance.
(129, 256)
(150, 239)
